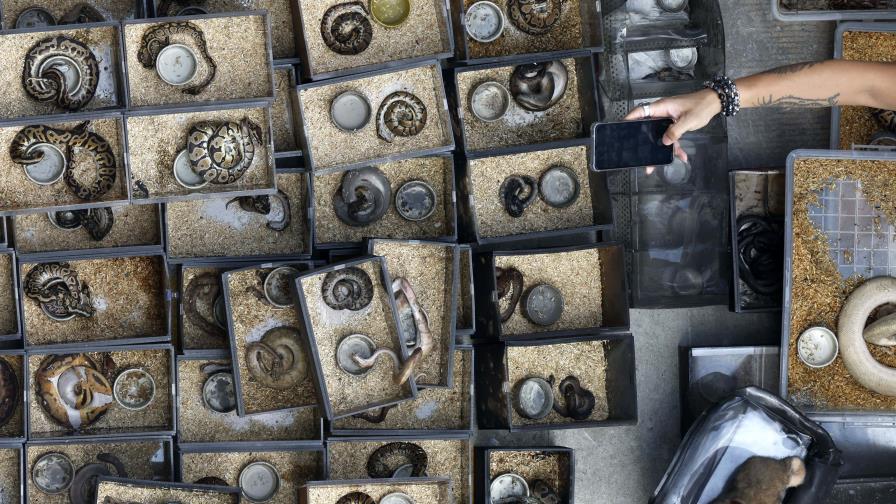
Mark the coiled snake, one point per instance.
(203, 288)
(278, 360)
(535, 17)
(184, 33)
(60, 293)
(222, 152)
(44, 79)
(401, 114)
(72, 390)
(262, 205)
(578, 402)
(386, 459)
(24, 150)
(346, 28)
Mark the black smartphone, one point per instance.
(630, 144)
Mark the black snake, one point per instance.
(57, 288)
(537, 87)
(44, 80)
(387, 459)
(510, 289)
(205, 288)
(578, 402)
(363, 197)
(535, 17)
(221, 152)
(23, 150)
(400, 114)
(262, 205)
(517, 192)
(84, 484)
(760, 253)
(183, 33)
(278, 360)
(346, 28)
(97, 222)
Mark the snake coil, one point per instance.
(58, 290)
(356, 498)
(24, 150)
(221, 153)
(277, 361)
(535, 17)
(386, 459)
(72, 390)
(44, 79)
(346, 28)
(578, 402)
(510, 290)
(262, 205)
(760, 253)
(203, 288)
(181, 32)
(347, 289)
(400, 114)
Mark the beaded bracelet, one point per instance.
(728, 94)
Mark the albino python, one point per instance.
(278, 360)
(44, 81)
(72, 390)
(400, 114)
(184, 33)
(57, 288)
(221, 152)
(23, 150)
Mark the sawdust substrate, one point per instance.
(435, 171)
(446, 458)
(138, 457)
(154, 142)
(818, 291)
(251, 318)
(16, 102)
(211, 228)
(15, 426)
(430, 270)
(576, 274)
(295, 468)
(133, 225)
(585, 360)
(282, 110)
(198, 424)
(465, 296)
(551, 467)
(423, 492)
(566, 34)
(519, 126)
(191, 336)
(434, 409)
(158, 416)
(130, 492)
(9, 307)
(856, 123)
(10, 475)
(377, 321)
(128, 294)
(331, 147)
(283, 34)
(487, 175)
(237, 45)
(424, 33)
(112, 10)
(19, 193)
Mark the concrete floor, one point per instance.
(624, 465)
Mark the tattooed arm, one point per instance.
(813, 84)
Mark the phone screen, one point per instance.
(631, 144)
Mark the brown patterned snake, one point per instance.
(23, 150)
(44, 79)
(222, 152)
(188, 34)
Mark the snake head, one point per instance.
(252, 129)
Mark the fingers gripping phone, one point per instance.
(630, 144)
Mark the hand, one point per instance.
(690, 112)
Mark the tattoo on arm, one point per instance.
(794, 68)
(791, 102)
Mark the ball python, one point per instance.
(346, 28)
(44, 81)
(517, 192)
(537, 87)
(378, 417)
(97, 222)
(363, 197)
(277, 361)
(57, 288)
(262, 205)
(9, 391)
(387, 459)
(204, 288)
(347, 289)
(535, 17)
(510, 289)
(184, 33)
(84, 484)
(23, 150)
(578, 402)
(72, 390)
(356, 498)
(400, 114)
(221, 152)
(412, 317)
(886, 119)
